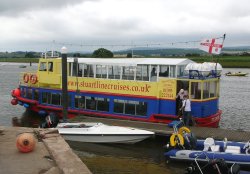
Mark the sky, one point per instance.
(81, 25)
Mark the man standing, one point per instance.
(186, 106)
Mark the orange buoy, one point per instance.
(14, 101)
(25, 142)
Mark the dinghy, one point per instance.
(232, 152)
(101, 133)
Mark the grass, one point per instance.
(225, 61)
(20, 60)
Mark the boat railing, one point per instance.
(195, 74)
(196, 160)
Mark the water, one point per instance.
(147, 156)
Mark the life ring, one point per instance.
(26, 78)
(183, 130)
(176, 139)
(33, 78)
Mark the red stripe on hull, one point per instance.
(211, 121)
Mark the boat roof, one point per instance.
(133, 61)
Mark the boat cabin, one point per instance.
(131, 88)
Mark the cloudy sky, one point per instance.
(32, 25)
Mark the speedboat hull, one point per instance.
(101, 133)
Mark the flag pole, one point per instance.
(224, 36)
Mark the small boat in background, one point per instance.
(236, 74)
(22, 66)
(101, 133)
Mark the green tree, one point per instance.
(29, 55)
(102, 53)
(129, 55)
(76, 55)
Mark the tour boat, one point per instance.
(232, 152)
(101, 133)
(142, 89)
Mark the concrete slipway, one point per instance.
(51, 155)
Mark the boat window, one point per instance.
(70, 69)
(164, 71)
(142, 72)
(180, 71)
(128, 72)
(50, 65)
(46, 97)
(172, 71)
(80, 69)
(89, 71)
(130, 107)
(195, 90)
(91, 103)
(102, 104)
(43, 66)
(114, 72)
(101, 71)
(119, 106)
(29, 93)
(74, 68)
(55, 99)
(80, 101)
(209, 89)
(36, 94)
(141, 108)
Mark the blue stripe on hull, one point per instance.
(154, 106)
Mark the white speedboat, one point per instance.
(101, 133)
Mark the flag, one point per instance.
(212, 46)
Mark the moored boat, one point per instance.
(140, 89)
(232, 152)
(101, 133)
(236, 74)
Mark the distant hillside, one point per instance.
(161, 52)
(166, 52)
(138, 51)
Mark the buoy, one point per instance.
(17, 92)
(25, 142)
(176, 139)
(14, 101)
(183, 130)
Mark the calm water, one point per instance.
(144, 157)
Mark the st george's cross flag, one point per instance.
(212, 46)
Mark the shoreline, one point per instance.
(226, 62)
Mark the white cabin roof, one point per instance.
(133, 61)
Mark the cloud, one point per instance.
(15, 7)
(36, 23)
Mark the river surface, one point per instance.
(145, 157)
